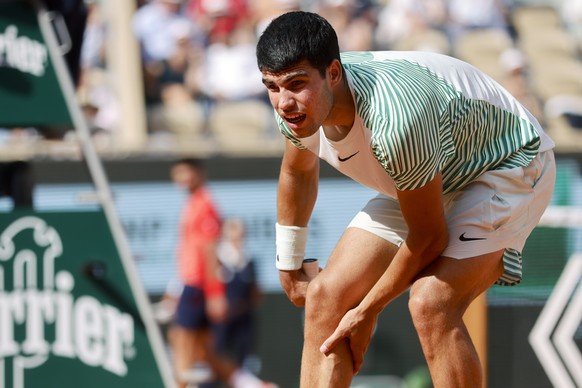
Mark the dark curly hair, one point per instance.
(294, 37)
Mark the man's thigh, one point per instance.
(453, 284)
(355, 265)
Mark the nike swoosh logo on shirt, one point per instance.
(348, 158)
(463, 238)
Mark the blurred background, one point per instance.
(159, 80)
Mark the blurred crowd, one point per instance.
(201, 84)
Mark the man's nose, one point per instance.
(286, 100)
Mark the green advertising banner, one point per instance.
(67, 313)
(73, 312)
(30, 93)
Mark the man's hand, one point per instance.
(357, 329)
(294, 284)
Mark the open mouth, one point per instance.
(294, 119)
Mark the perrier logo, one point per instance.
(39, 315)
(22, 53)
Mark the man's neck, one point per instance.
(343, 113)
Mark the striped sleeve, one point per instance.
(402, 105)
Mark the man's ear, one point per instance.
(335, 72)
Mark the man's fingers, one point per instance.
(326, 348)
(330, 343)
(294, 287)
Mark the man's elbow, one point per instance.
(438, 243)
(430, 245)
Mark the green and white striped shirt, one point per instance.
(425, 113)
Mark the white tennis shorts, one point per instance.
(498, 210)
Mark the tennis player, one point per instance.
(463, 174)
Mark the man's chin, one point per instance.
(303, 132)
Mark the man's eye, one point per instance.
(296, 84)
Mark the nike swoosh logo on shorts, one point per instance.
(463, 238)
(349, 157)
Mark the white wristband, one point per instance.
(290, 244)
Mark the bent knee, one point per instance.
(318, 294)
(323, 301)
(432, 301)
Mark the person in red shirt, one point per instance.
(203, 299)
(218, 18)
(200, 230)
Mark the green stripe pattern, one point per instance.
(421, 125)
(512, 264)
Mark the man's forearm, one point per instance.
(296, 196)
(405, 267)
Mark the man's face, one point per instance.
(172, 6)
(301, 96)
(186, 177)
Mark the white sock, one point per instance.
(244, 379)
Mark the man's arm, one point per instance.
(298, 182)
(427, 238)
(296, 196)
(214, 287)
(423, 212)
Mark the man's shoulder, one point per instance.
(202, 198)
(367, 57)
(399, 66)
(384, 81)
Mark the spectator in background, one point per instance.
(263, 11)
(95, 92)
(229, 70)
(217, 18)
(401, 19)
(203, 298)
(172, 46)
(162, 30)
(179, 110)
(515, 79)
(237, 111)
(466, 15)
(154, 25)
(235, 336)
(354, 20)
